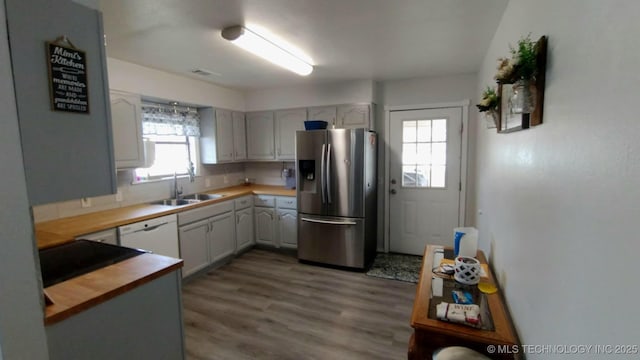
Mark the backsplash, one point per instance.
(211, 177)
(267, 173)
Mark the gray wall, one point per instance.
(560, 201)
(22, 333)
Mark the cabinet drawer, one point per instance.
(190, 216)
(264, 200)
(244, 202)
(286, 203)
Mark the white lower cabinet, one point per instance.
(206, 234)
(193, 246)
(244, 229)
(288, 228)
(222, 237)
(276, 221)
(265, 226)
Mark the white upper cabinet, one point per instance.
(287, 123)
(126, 122)
(354, 116)
(324, 113)
(260, 136)
(239, 136)
(216, 136)
(224, 135)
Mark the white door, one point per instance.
(424, 176)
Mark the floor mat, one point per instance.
(396, 267)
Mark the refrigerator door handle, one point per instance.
(328, 173)
(323, 177)
(332, 222)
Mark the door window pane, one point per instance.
(424, 130)
(409, 153)
(439, 130)
(409, 176)
(439, 153)
(424, 153)
(409, 131)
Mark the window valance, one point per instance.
(163, 119)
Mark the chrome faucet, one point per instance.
(176, 192)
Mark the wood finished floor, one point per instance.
(266, 305)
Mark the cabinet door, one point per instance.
(222, 238)
(126, 124)
(244, 228)
(265, 226)
(353, 116)
(260, 139)
(288, 228)
(239, 136)
(224, 135)
(325, 113)
(287, 123)
(193, 246)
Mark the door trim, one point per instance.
(464, 106)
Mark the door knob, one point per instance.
(393, 191)
(393, 181)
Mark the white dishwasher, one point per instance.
(158, 235)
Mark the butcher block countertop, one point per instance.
(56, 232)
(83, 292)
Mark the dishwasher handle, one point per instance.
(151, 228)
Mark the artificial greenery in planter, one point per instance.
(489, 105)
(521, 66)
(489, 101)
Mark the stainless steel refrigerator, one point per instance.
(336, 182)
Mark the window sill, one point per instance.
(159, 179)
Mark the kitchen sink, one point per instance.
(174, 202)
(187, 199)
(66, 261)
(202, 196)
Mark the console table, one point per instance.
(430, 334)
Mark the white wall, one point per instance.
(22, 334)
(149, 82)
(344, 92)
(560, 201)
(424, 91)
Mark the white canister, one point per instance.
(465, 241)
(467, 270)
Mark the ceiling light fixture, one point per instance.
(266, 49)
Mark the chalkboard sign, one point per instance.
(67, 77)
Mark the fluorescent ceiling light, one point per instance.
(267, 49)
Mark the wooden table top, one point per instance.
(85, 291)
(504, 334)
(59, 231)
